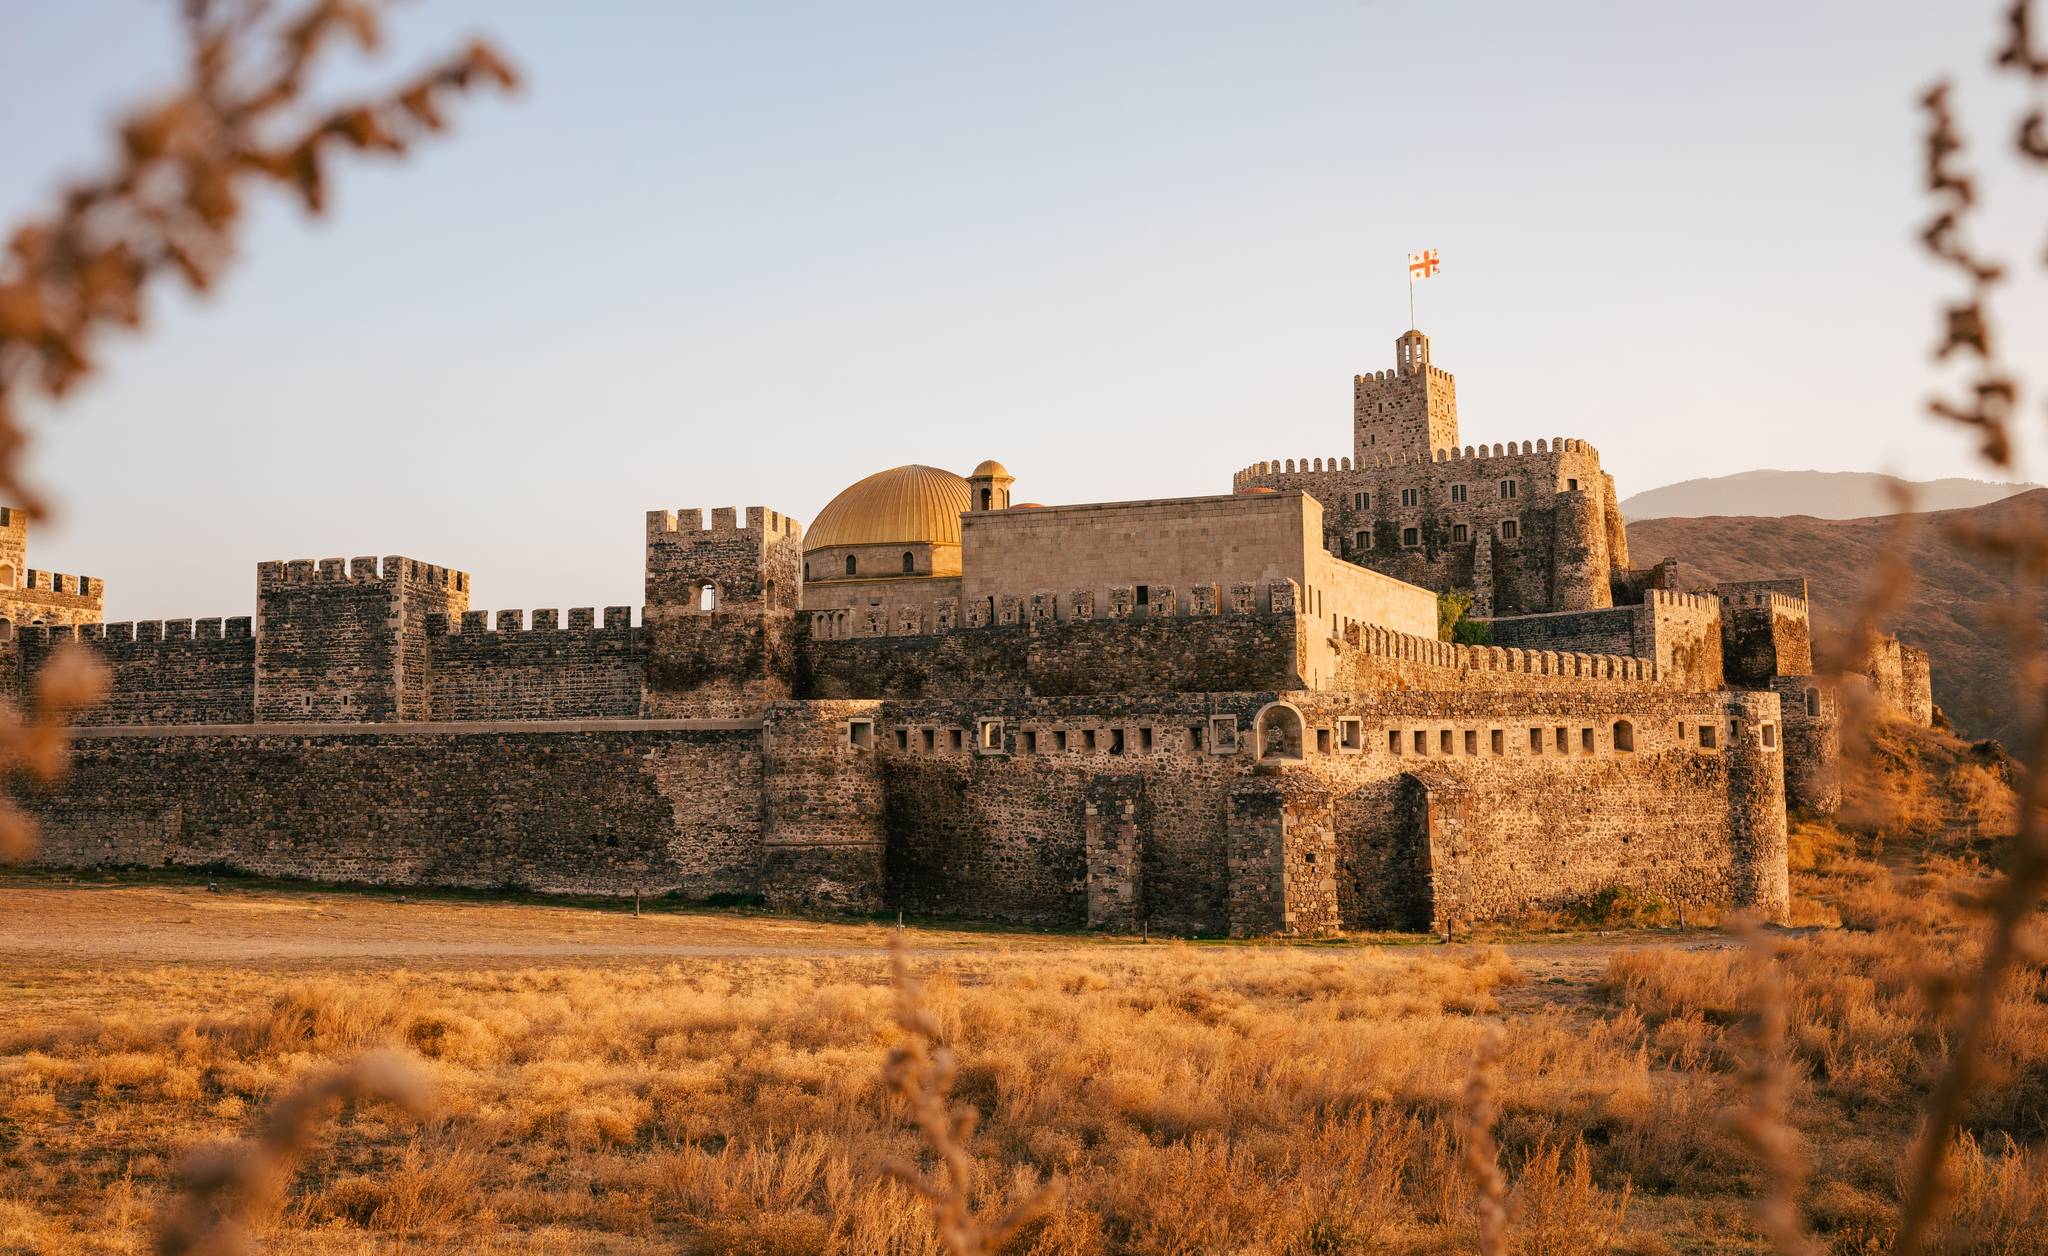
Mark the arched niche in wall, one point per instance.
(1278, 729)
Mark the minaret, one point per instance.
(989, 486)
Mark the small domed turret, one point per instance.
(989, 486)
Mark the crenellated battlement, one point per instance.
(366, 569)
(519, 666)
(1682, 601)
(59, 582)
(1012, 610)
(684, 524)
(1783, 602)
(545, 622)
(1437, 373)
(1552, 665)
(227, 628)
(143, 632)
(1264, 472)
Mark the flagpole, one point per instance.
(1411, 298)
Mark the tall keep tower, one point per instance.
(1412, 409)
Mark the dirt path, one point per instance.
(51, 924)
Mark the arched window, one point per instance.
(1279, 732)
(987, 497)
(850, 566)
(1624, 735)
(1813, 702)
(707, 598)
(909, 563)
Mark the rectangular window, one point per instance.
(1457, 492)
(956, 739)
(1322, 741)
(1563, 743)
(1195, 738)
(1029, 741)
(1571, 486)
(903, 739)
(1709, 737)
(1471, 741)
(1586, 740)
(1116, 741)
(1500, 742)
(1507, 489)
(1460, 534)
(1059, 740)
(1770, 736)
(1350, 733)
(1535, 741)
(988, 736)
(1421, 742)
(1145, 740)
(1361, 540)
(860, 734)
(1088, 740)
(1223, 734)
(1411, 537)
(1361, 501)
(1393, 741)
(1510, 529)
(1443, 742)
(1409, 496)
(931, 740)
(1681, 730)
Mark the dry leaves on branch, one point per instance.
(174, 198)
(920, 1072)
(224, 1186)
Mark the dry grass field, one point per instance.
(706, 1082)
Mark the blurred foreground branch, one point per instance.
(172, 204)
(920, 1072)
(1993, 399)
(224, 1186)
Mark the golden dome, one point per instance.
(990, 467)
(900, 506)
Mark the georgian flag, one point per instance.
(1422, 265)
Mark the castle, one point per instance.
(1204, 714)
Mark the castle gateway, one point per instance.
(1201, 714)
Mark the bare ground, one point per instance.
(47, 921)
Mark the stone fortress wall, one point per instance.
(29, 596)
(1207, 714)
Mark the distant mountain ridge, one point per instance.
(1821, 494)
(1951, 608)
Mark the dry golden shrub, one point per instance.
(1189, 1098)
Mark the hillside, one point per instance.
(1950, 610)
(1821, 494)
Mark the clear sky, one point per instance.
(721, 254)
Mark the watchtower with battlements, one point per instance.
(1412, 409)
(345, 641)
(721, 610)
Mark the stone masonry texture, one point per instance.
(1210, 714)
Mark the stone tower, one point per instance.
(1408, 411)
(13, 546)
(345, 642)
(721, 609)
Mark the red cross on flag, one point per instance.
(1422, 265)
